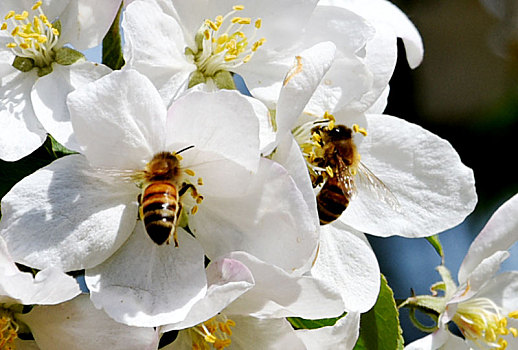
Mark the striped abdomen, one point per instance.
(331, 202)
(159, 210)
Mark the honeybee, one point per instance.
(341, 160)
(159, 202)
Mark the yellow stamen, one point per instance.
(358, 129)
(11, 45)
(21, 17)
(4, 26)
(258, 23)
(212, 334)
(190, 172)
(194, 210)
(200, 181)
(10, 14)
(329, 171)
(36, 5)
(238, 7)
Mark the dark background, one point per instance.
(465, 91)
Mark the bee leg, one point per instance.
(140, 212)
(175, 234)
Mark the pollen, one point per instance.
(482, 321)
(226, 42)
(212, 334)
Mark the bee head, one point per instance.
(339, 132)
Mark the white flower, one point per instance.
(49, 287)
(256, 318)
(38, 71)
(415, 184)
(178, 46)
(485, 305)
(80, 212)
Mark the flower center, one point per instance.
(8, 330)
(322, 140)
(482, 321)
(212, 334)
(222, 45)
(34, 39)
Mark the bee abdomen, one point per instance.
(159, 210)
(331, 203)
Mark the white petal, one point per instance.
(385, 16)
(157, 50)
(480, 276)
(144, 284)
(63, 216)
(84, 23)
(440, 339)
(500, 233)
(118, 120)
(279, 294)
(347, 262)
(502, 290)
(20, 131)
(222, 122)
(49, 96)
(300, 83)
(253, 223)
(78, 325)
(342, 336)
(434, 189)
(50, 286)
(289, 155)
(228, 279)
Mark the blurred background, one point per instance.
(465, 91)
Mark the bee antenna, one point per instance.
(184, 149)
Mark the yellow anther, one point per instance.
(329, 116)
(513, 314)
(513, 331)
(200, 181)
(36, 5)
(55, 31)
(258, 23)
(247, 58)
(245, 20)
(10, 14)
(221, 344)
(21, 17)
(24, 46)
(502, 343)
(238, 7)
(212, 25)
(219, 20)
(358, 129)
(199, 199)
(331, 124)
(11, 45)
(235, 19)
(15, 30)
(4, 26)
(194, 210)
(190, 172)
(209, 338)
(42, 39)
(230, 57)
(206, 34)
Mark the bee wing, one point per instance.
(344, 179)
(119, 175)
(367, 180)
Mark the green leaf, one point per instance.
(112, 46)
(67, 56)
(300, 323)
(434, 241)
(12, 172)
(379, 328)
